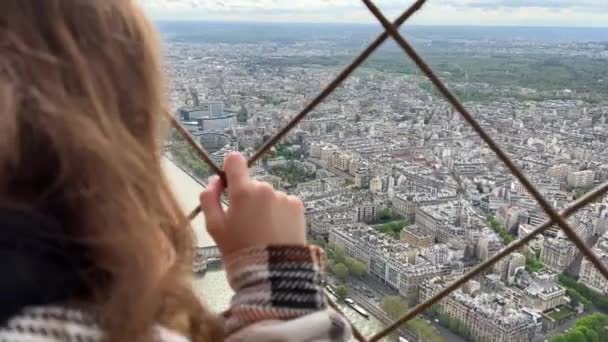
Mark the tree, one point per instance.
(574, 303)
(339, 255)
(587, 296)
(424, 330)
(592, 336)
(435, 310)
(454, 325)
(242, 115)
(596, 321)
(318, 241)
(392, 228)
(575, 336)
(394, 306)
(533, 264)
(559, 338)
(321, 240)
(384, 215)
(355, 267)
(341, 292)
(340, 271)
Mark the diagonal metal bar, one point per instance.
(201, 153)
(190, 140)
(314, 103)
(424, 67)
(419, 309)
(343, 75)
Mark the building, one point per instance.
(367, 212)
(405, 206)
(209, 116)
(375, 184)
(220, 123)
(214, 141)
(507, 267)
(362, 177)
(341, 161)
(581, 179)
(327, 154)
(557, 253)
(485, 316)
(487, 246)
(559, 172)
(314, 150)
(589, 275)
(535, 217)
(315, 187)
(321, 223)
(417, 237)
(391, 261)
(544, 293)
(405, 203)
(526, 229)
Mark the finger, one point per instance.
(264, 190)
(237, 173)
(296, 203)
(211, 205)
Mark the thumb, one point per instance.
(211, 205)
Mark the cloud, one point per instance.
(591, 5)
(451, 12)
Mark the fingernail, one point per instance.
(212, 179)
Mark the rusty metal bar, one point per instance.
(197, 148)
(391, 30)
(311, 106)
(424, 67)
(343, 75)
(419, 309)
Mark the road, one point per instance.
(379, 291)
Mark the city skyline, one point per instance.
(591, 13)
(398, 188)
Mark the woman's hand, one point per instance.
(257, 215)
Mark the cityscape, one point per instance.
(400, 191)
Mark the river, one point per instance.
(213, 288)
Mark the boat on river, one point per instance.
(331, 290)
(199, 268)
(360, 310)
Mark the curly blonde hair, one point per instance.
(81, 100)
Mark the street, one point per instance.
(379, 291)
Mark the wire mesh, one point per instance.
(391, 30)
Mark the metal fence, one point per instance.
(391, 30)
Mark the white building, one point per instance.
(581, 179)
(557, 253)
(544, 293)
(589, 274)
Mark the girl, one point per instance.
(93, 246)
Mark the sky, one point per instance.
(583, 13)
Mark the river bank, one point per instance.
(213, 288)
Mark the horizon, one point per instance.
(541, 13)
(372, 24)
